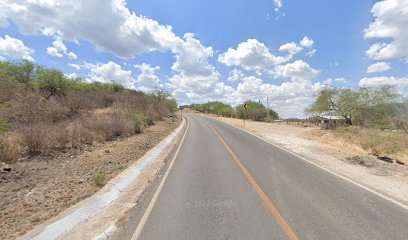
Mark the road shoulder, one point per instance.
(391, 187)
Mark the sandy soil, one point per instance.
(322, 148)
(40, 188)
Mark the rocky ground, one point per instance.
(34, 190)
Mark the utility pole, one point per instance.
(267, 107)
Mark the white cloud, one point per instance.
(59, 49)
(378, 67)
(399, 83)
(73, 65)
(292, 48)
(112, 27)
(289, 98)
(147, 79)
(72, 55)
(381, 51)
(251, 55)
(110, 72)
(195, 79)
(54, 52)
(299, 71)
(235, 75)
(390, 22)
(15, 48)
(71, 75)
(311, 52)
(278, 5)
(306, 42)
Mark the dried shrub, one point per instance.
(110, 125)
(34, 138)
(7, 152)
(79, 135)
(57, 137)
(157, 112)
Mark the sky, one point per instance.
(230, 51)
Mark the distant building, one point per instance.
(330, 120)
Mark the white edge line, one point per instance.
(149, 208)
(323, 168)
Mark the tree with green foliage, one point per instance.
(52, 82)
(215, 107)
(161, 96)
(256, 111)
(362, 106)
(23, 71)
(401, 118)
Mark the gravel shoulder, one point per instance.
(348, 160)
(40, 188)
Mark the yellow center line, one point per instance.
(281, 221)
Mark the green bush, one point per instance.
(4, 125)
(256, 111)
(52, 82)
(140, 122)
(99, 180)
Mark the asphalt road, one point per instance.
(227, 184)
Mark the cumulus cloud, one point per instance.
(195, 79)
(306, 42)
(110, 72)
(15, 48)
(54, 52)
(390, 22)
(113, 27)
(251, 55)
(59, 49)
(292, 48)
(289, 98)
(73, 65)
(235, 75)
(398, 83)
(378, 67)
(147, 79)
(296, 71)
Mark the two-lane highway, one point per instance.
(227, 184)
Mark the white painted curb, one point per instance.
(72, 217)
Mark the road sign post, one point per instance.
(245, 110)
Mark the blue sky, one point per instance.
(231, 51)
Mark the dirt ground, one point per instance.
(40, 188)
(323, 148)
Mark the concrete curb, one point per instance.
(66, 221)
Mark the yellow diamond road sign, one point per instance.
(246, 106)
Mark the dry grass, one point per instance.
(39, 126)
(379, 142)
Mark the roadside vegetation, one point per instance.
(255, 111)
(376, 119)
(43, 112)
